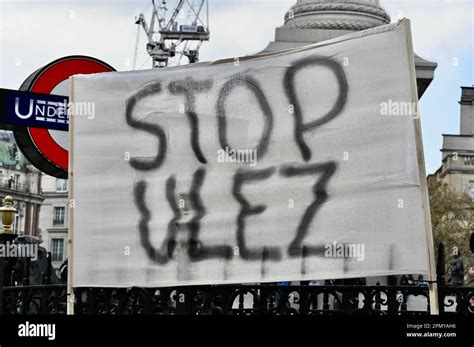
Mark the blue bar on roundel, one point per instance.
(33, 110)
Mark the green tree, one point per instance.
(452, 220)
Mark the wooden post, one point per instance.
(433, 286)
(70, 289)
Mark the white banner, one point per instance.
(297, 165)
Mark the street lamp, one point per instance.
(8, 213)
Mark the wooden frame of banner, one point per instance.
(433, 285)
(70, 289)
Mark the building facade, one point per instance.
(40, 200)
(22, 181)
(457, 169)
(53, 218)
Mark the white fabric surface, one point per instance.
(373, 196)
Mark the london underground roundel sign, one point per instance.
(47, 149)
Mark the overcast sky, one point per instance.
(33, 33)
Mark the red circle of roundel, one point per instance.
(45, 83)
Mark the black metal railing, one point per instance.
(23, 291)
(12, 185)
(30, 300)
(239, 300)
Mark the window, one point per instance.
(471, 189)
(468, 161)
(58, 215)
(57, 249)
(61, 185)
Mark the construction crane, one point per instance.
(182, 34)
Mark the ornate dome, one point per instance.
(336, 15)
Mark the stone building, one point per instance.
(40, 200)
(53, 218)
(22, 181)
(457, 169)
